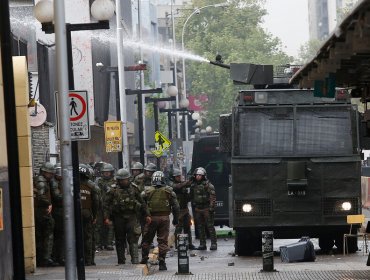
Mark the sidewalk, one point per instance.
(221, 264)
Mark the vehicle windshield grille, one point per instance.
(299, 131)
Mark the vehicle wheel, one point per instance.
(326, 243)
(247, 242)
(351, 243)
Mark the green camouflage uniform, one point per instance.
(103, 233)
(122, 205)
(203, 199)
(58, 215)
(89, 209)
(142, 181)
(161, 201)
(181, 190)
(43, 193)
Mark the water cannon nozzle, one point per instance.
(220, 62)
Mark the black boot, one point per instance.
(202, 246)
(213, 246)
(192, 247)
(162, 265)
(134, 253)
(110, 248)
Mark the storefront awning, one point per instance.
(346, 53)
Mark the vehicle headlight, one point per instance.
(346, 206)
(247, 207)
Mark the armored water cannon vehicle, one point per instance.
(295, 161)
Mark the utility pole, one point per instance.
(140, 102)
(65, 140)
(121, 79)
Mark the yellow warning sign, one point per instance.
(161, 144)
(113, 136)
(1, 210)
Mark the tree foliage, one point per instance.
(237, 34)
(308, 51)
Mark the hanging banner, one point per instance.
(113, 136)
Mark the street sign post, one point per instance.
(161, 143)
(78, 115)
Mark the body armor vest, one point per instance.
(158, 200)
(85, 192)
(201, 195)
(41, 180)
(124, 201)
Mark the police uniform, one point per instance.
(161, 201)
(104, 234)
(136, 168)
(121, 206)
(144, 179)
(203, 199)
(181, 190)
(89, 208)
(58, 215)
(44, 222)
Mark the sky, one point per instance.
(288, 20)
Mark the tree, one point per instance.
(236, 33)
(308, 51)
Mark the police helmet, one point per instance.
(91, 171)
(122, 174)
(84, 170)
(158, 178)
(150, 167)
(107, 167)
(200, 171)
(176, 172)
(58, 170)
(48, 167)
(137, 166)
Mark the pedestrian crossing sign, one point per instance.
(161, 143)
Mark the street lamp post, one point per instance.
(139, 93)
(175, 68)
(196, 11)
(102, 10)
(169, 118)
(114, 69)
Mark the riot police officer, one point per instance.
(181, 190)
(203, 199)
(136, 169)
(104, 233)
(58, 215)
(121, 206)
(44, 192)
(145, 179)
(89, 209)
(161, 201)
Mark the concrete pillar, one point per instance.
(25, 160)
